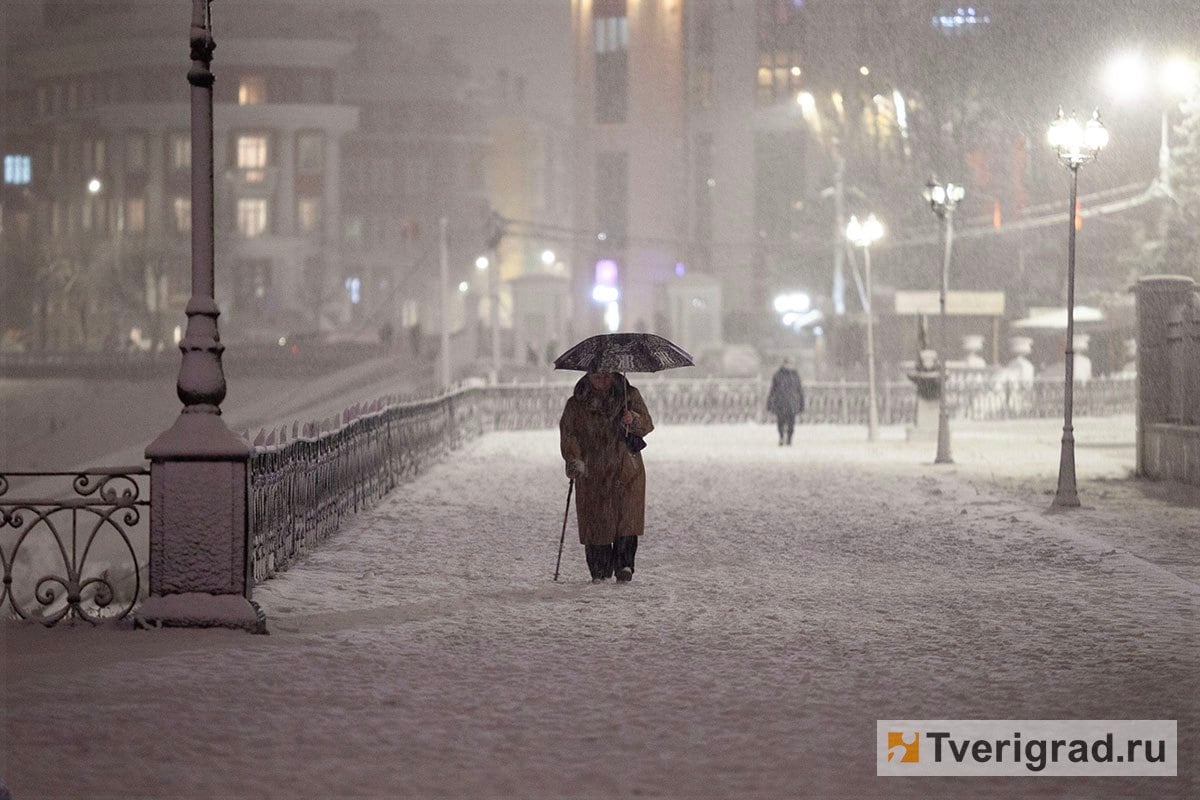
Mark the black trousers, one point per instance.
(787, 424)
(605, 559)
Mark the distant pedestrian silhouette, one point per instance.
(786, 399)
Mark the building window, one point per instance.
(17, 170)
(182, 208)
(135, 215)
(610, 27)
(94, 152)
(181, 151)
(252, 90)
(308, 214)
(251, 217)
(252, 157)
(703, 185)
(135, 152)
(703, 86)
(310, 153)
(612, 196)
(252, 152)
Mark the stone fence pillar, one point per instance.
(1156, 297)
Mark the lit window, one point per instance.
(310, 153)
(252, 152)
(181, 151)
(183, 214)
(252, 90)
(135, 214)
(308, 213)
(251, 217)
(17, 170)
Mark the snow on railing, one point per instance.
(303, 485)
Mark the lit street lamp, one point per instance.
(1076, 145)
(1127, 78)
(943, 199)
(863, 234)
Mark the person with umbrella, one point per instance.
(786, 399)
(601, 437)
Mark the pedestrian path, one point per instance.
(785, 599)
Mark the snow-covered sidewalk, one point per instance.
(785, 599)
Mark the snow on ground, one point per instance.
(785, 599)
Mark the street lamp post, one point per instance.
(201, 566)
(943, 199)
(1076, 145)
(484, 264)
(863, 234)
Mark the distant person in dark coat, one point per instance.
(786, 399)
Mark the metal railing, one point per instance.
(303, 489)
(81, 556)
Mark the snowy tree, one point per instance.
(1182, 246)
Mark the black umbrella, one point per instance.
(624, 352)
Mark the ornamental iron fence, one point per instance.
(77, 557)
(303, 489)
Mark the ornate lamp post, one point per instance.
(1076, 145)
(200, 562)
(864, 234)
(943, 199)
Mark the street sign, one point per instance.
(967, 304)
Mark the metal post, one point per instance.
(872, 414)
(200, 565)
(444, 265)
(943, 435)
(494, 313)
(839, 222)
(1066, 495)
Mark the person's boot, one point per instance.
(789, 440)
(625, 574)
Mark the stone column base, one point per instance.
(200, 610)
(926, 427)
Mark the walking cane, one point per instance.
(563, 538)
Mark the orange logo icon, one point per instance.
(903, 747)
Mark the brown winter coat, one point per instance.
(611, 496)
